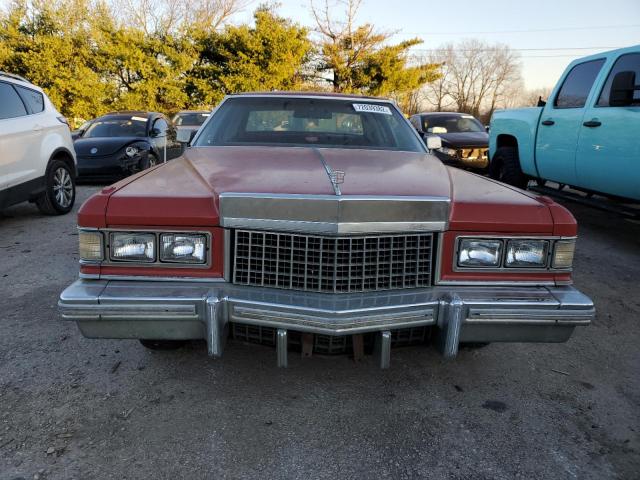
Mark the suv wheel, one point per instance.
(60, 190)
(505, 166)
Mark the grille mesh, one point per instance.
(332, 264)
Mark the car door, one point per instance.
(18, 137)
(561, 123)
(608, 155)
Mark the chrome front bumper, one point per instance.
(186, 310)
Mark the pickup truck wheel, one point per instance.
(163, 344)
(60, 190)
(506, 168)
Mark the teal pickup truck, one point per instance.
(587, 135)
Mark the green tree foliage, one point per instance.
(267, 56)
(94, 56)
(357, 59)
(50, 43)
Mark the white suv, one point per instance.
(37, 159)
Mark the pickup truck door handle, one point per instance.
(592, 123)
(548, 122)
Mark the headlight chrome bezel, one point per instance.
(549, 265)
(107, 236)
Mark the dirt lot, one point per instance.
(84, 409)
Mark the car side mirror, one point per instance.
(433, 142)
(185, 136)
(486, 128)
(622, 88)
(76, 134)
(155, 132)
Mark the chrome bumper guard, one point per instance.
(185, 310)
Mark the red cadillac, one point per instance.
(321, 223)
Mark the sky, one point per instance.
(548, 34)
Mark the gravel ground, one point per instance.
(77, 408)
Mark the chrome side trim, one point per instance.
(333, 215)
(150, 278)
(227, 255)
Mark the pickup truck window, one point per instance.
(629, 62)
(577, 85)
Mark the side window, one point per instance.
(10, 104)
(162, 125)
(34, 100)
(576, 87)
(626, 63)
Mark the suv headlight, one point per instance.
(183, 248)
(133, 247)
(452, 152)
(90, 246)
(131, 151)
(479, 253)
(527, 253)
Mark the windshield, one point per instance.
(321, 122)
(451, 124)
(190, 119)
(117, 127)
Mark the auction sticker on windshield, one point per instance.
(371, 108)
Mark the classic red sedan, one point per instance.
(321, 223)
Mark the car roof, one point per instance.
(193, 111)
(327, 95)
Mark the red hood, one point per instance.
(184, 192)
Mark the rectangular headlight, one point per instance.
(183, 248)
(133, 247)
(479, 253)
(563, 253)
(90, 246)
(527, 253)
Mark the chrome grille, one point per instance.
(332, 264)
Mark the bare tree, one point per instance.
(343, 45)
(169, 16)
(476, 77)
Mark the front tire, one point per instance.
(505, 167)
(149, 161)
(60, 190)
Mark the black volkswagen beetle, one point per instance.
(121, 143)
(465, 141)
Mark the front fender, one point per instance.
(517, 127)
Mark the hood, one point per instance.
(104, 145)
(186, 191)
(466, 139)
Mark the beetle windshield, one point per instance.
(130, 126)
(311, 122)
(191, 119)
(451, 124)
